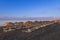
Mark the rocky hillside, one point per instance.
(51, 32)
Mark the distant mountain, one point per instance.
(30, 18)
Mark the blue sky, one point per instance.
(29, 8)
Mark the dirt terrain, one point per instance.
(51, 32)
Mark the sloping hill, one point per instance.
(51, 32)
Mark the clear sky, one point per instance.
(29, 8)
